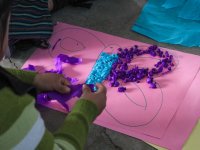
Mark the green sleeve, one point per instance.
(24, 76)
(76, 126)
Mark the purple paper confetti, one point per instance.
(71, 60)
(30, 68)
(122, 73)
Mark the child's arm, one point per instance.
(42, 81)
(73, 133)
(24, 76)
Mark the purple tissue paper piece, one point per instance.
(70, 60)
(122, 70)
(76, 91)
(72, 80)
(58, 65)
(121, 89)
(30, 68)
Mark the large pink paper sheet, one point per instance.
(160, 115)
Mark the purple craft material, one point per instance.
(121, 72)
(76, 91)
(61, 58)
(30, 68)
(58, 65)
(72, 80)
(121, 89)
(71, 60)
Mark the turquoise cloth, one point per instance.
(190, 10)
(173, 3)
(171, 21)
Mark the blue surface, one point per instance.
(102, 68)
(163, 21)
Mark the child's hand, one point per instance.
(51, 82)
(98, 97)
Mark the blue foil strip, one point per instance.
(102, 68)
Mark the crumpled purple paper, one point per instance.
(57, 70)
(62, 58)
(76, 91)
(30, 68)
(58, 65)
(71, 60)
(72, 80)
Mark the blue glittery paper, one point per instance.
(102, 68)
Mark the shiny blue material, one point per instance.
(171, 21)
(102, 68)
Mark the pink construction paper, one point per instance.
(154, 115)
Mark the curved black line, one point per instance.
(139, 87)
(163, 73)
(98, 39)
(134, 101)
(104, 45)
(145, 46)
(144, 124)
(87, 32)
(74, 40)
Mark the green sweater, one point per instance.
(21, 126)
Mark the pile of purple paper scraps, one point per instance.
(76, 90)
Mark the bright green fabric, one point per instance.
(19, 128)
(74, 130)
(76, 125)
(25, 76)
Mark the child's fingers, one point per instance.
(86, 89)
(101, 88)
(64, 81)
(63, 85)
(63, 89)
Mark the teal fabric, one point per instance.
(165, 21)
(173, 3)
(190, 10)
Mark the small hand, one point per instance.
(51, 82)
(98, 97)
